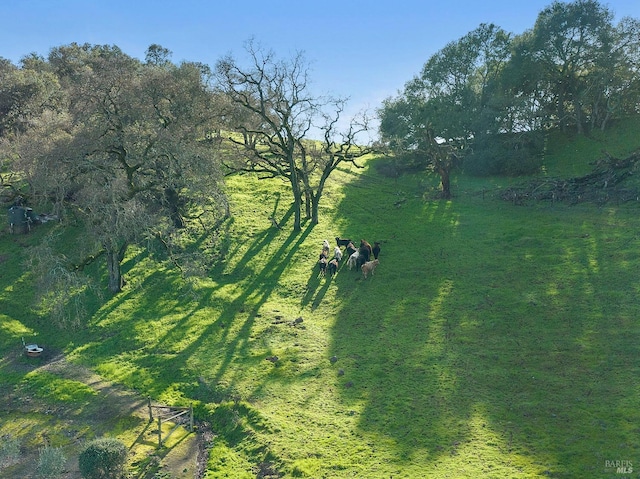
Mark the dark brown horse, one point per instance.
(366, 246)
(365, 251)
(376, 250)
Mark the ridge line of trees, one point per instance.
(132, 152)
(491, 95)
(135, 151)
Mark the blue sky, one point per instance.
(364, 50)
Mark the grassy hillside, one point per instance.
(493, 341)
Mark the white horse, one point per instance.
(353, 260)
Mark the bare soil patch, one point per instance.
(111, 406)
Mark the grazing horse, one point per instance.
(350, 248)
(362, 258)
(369, 267)
(364, 253)
(333, 266)
(325, 248)
(322, 263)
(367, 246)
(353, 260)
(376, 250)
(342, 242)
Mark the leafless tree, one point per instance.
(274, 119)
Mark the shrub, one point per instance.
(506, 154)
(9, 451)
(51, 461)
(103, 458)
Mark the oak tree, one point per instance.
(125, 156)
(272, 116)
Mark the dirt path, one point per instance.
(112, 404)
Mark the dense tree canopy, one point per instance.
(498, 92)
(123, 150)
(134, 149)
(450, 102)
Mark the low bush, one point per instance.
(9, 451)
(103, 458)
(51, 461)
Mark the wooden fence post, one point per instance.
(169, 416)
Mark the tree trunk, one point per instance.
(315, 202)
(445, 183)
(561, 112)
(297, 193)
(297, 205)
(607, 115)
(577, 107)
(308, 203)
(297, 214)
(315, 199)
(173, 202)
(114, 261)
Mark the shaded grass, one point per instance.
(569, 155)
(516, 315)
(493, 340)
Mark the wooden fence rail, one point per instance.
(168, 413)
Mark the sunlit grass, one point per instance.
(493, 340)
(49, 387)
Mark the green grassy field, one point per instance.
(493, 341)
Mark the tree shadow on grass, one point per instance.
(223, 273)
(253, 297)
(468, 347)
(163, 361)
(158, 302)
(317, 287)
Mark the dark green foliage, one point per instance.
(513, 154)
(407, 163)
(127, 185)
(574, 71)
(103, 458)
